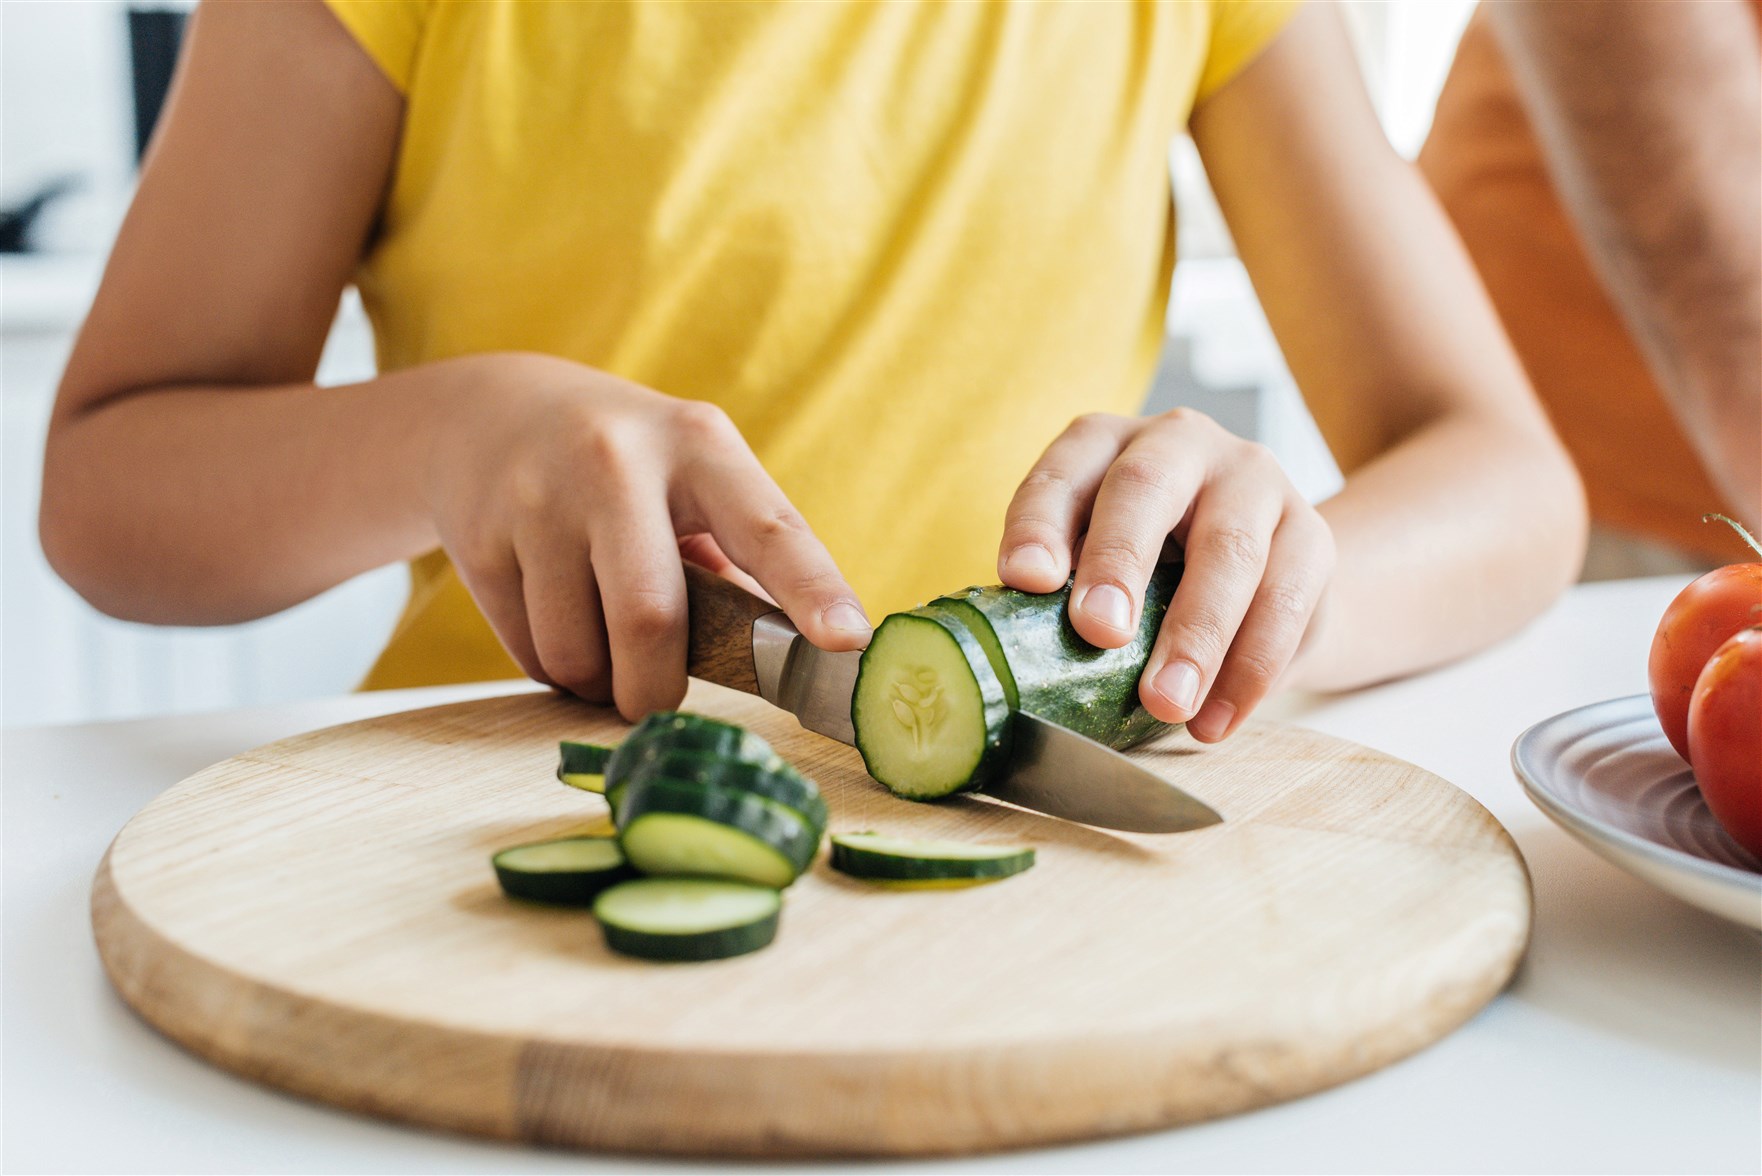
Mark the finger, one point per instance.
(1297, 571)
(563, 613)
(642, 594)
(1145, 493)
(1049, 508)
(763, 534)
(494, 583)
(703, 550)
(1226, 552)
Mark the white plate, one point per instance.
(1608, 776)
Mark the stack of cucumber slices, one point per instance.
(712, 826)
(938, 685)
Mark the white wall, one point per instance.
(65, 107)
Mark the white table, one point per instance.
(1630, 1041)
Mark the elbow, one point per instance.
(74, 549)
(99, 535)
(82, 543)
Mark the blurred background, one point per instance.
(80, 85)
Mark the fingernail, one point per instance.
(1108, 605)
(846, 618)
(1031, 559)
(1179, 683)
(1213, 721)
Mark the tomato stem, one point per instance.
(1736, 526)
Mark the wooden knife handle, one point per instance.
(721, 617)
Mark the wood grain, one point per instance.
(721, 616)
(320, 915)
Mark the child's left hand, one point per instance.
(1258, 557)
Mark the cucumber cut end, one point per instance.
(875, 857)
(688, 919)
(924, 725)
(586, 781)
(979, 625)
(565, 855)
(681, 844)
(569, 871)
(927, 883)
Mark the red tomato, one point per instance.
(1725, 737)
(1697, 622)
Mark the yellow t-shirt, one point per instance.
(901, 243)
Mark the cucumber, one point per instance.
(583, 765)
(687, 918)
(895, 859)
(773, 780)
(680, 827)
(930, 714)
(569, 871)
(664, 731)
(976, 624)
(1061, 677)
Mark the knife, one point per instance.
(748, 644)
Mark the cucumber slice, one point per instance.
(664, 731)
(679, 827)
(569, 871)
(687, 918)
(931, 717)
(896, 859)
(1061, 677)
(583, 765)
(980, 628)
(773, 780)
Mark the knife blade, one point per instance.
(1052, 770)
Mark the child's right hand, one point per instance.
(564, 495)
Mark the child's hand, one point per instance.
(1258, 557)
(564, 496)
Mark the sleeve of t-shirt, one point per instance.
(1240, 29)
(389, 30)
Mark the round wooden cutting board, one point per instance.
(320, 915)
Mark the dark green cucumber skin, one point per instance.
(584, 759)
(963, 611)
(1062, 678)
(773, 824)
(664, 731)
(861, 863)
(994, 756)
(775, 780)
(558, 887)
(613, 794)
(696, 948)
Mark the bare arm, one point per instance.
(1461, 517)
(188, 442)
(194, 473)
(1651, 116)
